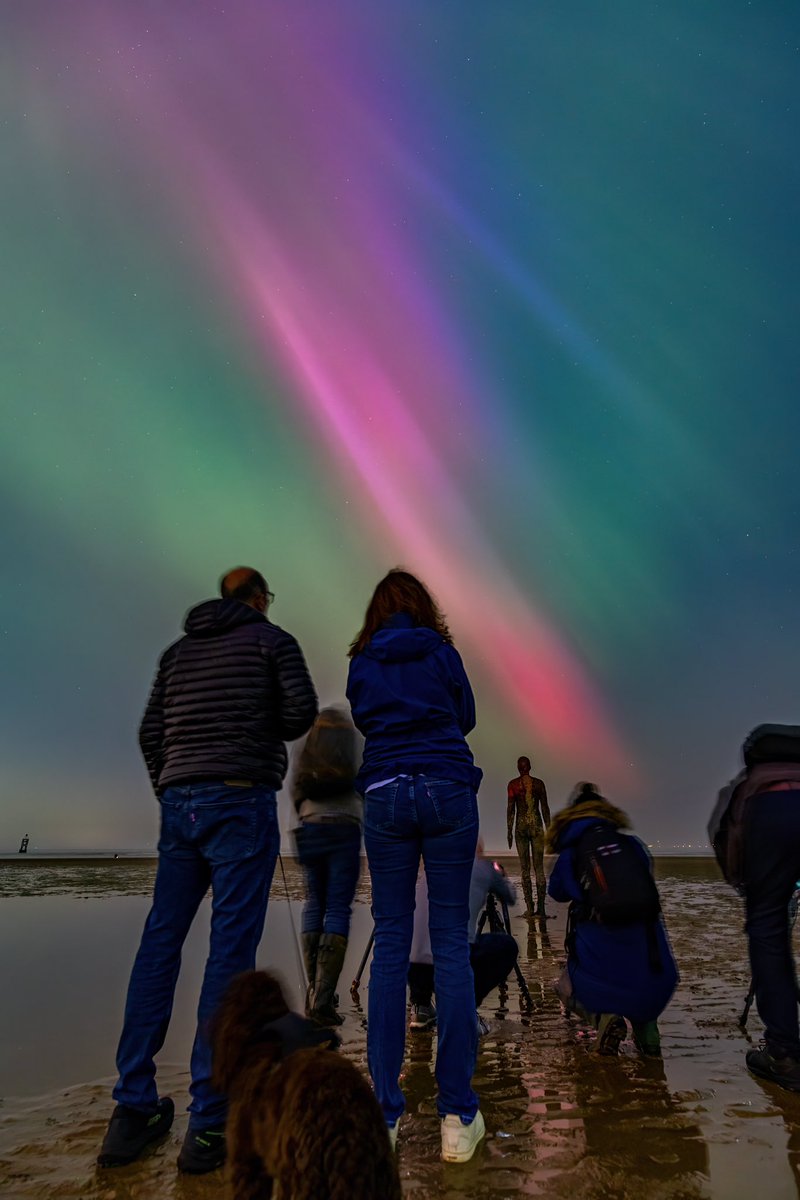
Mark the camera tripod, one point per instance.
(502, 924)
(497, 924)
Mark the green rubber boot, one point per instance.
(330, 960)
(310, 951)
(647, 1038)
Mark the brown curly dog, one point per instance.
(300, 1116)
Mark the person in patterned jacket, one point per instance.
(225, 698)
(527, 803)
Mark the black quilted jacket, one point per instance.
(225, 698)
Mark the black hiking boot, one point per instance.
(611, 1031)
(130, 1131)
(203, 1150)
(784, 1071)
(423, 1016)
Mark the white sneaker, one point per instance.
(459, 1141)
(392, 1131)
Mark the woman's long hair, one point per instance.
(400, 592)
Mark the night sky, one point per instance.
(505, 293)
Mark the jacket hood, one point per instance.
(594, 810)
(215, 617)
(400, 640)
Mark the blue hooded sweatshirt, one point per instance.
(609, 966)
(411, 698)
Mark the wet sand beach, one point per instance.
(561, 1122)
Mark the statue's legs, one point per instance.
(537, 850)
(524, 852)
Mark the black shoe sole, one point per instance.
(200, 1169)
(124, 1160)
(789, 1085)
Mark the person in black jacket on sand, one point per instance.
(225, 697)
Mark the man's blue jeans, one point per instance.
(216, 835)
(331, 856)
(437, 819)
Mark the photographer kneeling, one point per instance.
(492, 955)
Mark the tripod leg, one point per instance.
(523, 987)
(748, 1003)
(354, 986)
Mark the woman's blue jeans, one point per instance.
(330, 852)
(437, 819)
(216, 835)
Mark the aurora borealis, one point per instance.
(505, 293)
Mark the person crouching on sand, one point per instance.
(619, 961)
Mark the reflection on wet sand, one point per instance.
(561, 1121)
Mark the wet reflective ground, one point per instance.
(561, 1122)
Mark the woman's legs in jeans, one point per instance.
(449, 818)
(393, 844)
(344, 865)
(438, 819)
(311, 851)
(330, 853)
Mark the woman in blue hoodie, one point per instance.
(411, 699)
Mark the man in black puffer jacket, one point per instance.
(225, 697)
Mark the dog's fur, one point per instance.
(308, 1122)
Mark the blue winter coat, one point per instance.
(609, 967)
(411, 699)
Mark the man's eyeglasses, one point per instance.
(270, 596)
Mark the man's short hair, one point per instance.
(243, 583)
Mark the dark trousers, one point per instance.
(772, 869)
(492, 956)
(331, 856)
(217, 835)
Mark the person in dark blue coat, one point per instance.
(613, 972)
(411, 698)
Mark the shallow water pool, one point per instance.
(561, 1122)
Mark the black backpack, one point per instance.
(771, 755)
(616, 881)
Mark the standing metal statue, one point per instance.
(528, 818)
